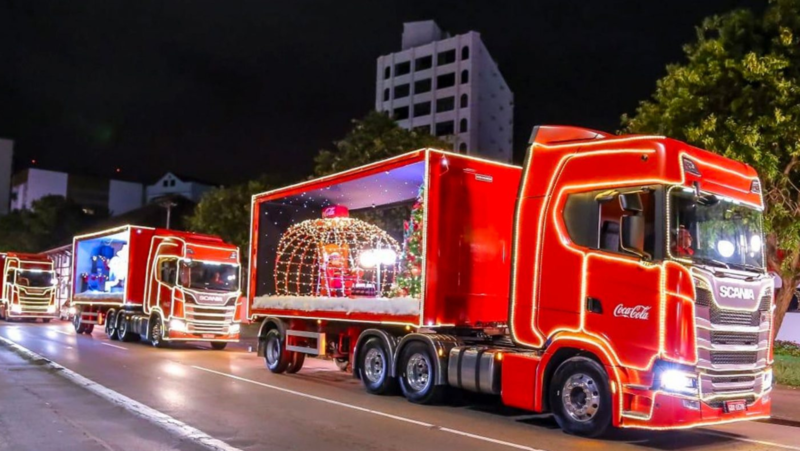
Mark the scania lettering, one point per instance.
(29, 287)
(615, 281)
(158, 285)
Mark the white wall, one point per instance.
(6, 152)
(790, 329)
(124, 196)
(40, 183)
(495, 109)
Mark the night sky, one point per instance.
(226, 90)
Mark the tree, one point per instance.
(738, 94)
(226, 211)
(373, 138)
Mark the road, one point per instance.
(231, 396)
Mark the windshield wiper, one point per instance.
(710, 261)
(748, 267)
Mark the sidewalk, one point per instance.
(786, 403)
(40, 410)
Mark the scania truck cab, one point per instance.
(29, 286)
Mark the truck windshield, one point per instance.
(714, 231)
(32, 278)
(199, 275)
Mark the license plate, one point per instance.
(739, 405)
(208, 335)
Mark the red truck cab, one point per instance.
(29, 286)
(161, 285)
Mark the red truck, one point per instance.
(611, 280)
(29, 287)
(156, 284)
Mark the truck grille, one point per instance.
(734, 338)
(703, 298)
(733, 358)
(209, 319)
(734, 317)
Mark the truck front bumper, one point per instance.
(677, 412)
(31, 315)
(174, 335)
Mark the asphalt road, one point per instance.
(231, 396)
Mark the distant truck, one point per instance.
(612, 280)
(156, 284)
(29, 287)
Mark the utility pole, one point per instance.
(168, 204)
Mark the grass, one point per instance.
(787, 363)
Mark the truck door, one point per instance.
(623, 289)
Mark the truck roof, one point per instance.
(189, 236)
(26, 256)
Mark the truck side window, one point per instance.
(580, 215)
(168, 270)
(610, 216)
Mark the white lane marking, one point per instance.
(748, 440)
(113, 346)
(71, 334)
(365, 410)
(163, 420)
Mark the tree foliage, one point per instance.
(52, 221)
(226, 211)
(373, 138)
(738, 94)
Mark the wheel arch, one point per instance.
(268, 324)
(388, 340)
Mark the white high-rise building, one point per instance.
(450, 87)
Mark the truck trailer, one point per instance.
(612, 280)
(156, 284)
(29, 287)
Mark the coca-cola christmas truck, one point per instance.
(29, 287)
(157, 284)
(612, 280)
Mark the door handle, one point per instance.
(593, 305)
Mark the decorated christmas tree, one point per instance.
(409, 280)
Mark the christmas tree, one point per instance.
(409, 280)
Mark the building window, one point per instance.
(445, 104)
(464, 101)
(423, 129)
(446, 80)
(165, 183)
(401, 91)
(462, 126)
(387, 72)
(422, 86)
(172, 182)
(386, 94)
(446, 57)
(422, 109)
(445, 128)
(462, 148)
(464, 76)
(465, 52)
(422, 63)
(401, 113)
(402, 68)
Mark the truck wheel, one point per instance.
(418, 374)
(218, 345)
(296, 363)
(277, 358)
(342, 363)
(77, 323)
(111, 325)
(580, 397)
(88, 328)
(124, 328)
(156, 332)
(3, 313)
(374, 368)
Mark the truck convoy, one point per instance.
(612, 280)
(29, 287)
(156, 284)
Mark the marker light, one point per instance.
(16, 308)
(725, 248)
(767, 384)
(678, 382)
(51, 309)
(177, 325)
(755, 186)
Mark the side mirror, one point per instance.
(631, 202)
(632, 235)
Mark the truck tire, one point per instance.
(297, 360)
(580, 397)
(374, 368)
(155, 332)
(417, 370)
(275, 354)
(111, 325)
(124, 329)
(77, 323)
(88, 328)
(3, 312)
(218, 345)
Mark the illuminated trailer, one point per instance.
(157, 284)
(612, 280)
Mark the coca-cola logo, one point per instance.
(636, 312)
(736, 292)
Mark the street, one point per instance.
(230, 396)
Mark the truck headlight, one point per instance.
(767, 383)
(51, 309)
(16, 308)
(234, 329)
(679, 382)
(177, 325)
